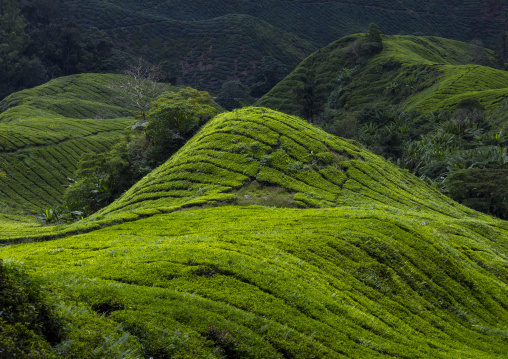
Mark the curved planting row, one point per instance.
(273, 149)
(36, 177)
(260, 282)
(45, 130)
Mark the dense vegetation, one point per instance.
(39, 41)
(101, 178)
(419, 102)
(140, 220)
(393, 269)
(45, 130)
(206, 43)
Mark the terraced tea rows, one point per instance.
(44, 131)
(263, 146)
(425, 74)
(395, 269)
(322, 22)
(258, 145)
(487, 85)
(209, 42)
(280, 283)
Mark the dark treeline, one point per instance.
(39, 41)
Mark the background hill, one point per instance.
(205, 43)
(386, 267)
(323, 22)
(45, 130)
(171, 24)
(411, 73)
(418, 102)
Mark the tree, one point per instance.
(483, 189)
(503, 47)
(269, 72)
(14, 66)
(99, 179)
(373, 40)
(172, 123)
(141, 87)
(309, 96)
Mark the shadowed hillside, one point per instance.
(212, 33)
(411, 73)
(388, 267)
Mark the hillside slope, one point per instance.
(257, 144)
(43, 132)
(260, 156)
(211, 33)
(388, 268)
(411, 73)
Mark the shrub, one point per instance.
(484, 189)
(223, 340)
(324, 158)
(28, 325)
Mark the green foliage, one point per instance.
(232, 94)
(483, 189)
(40, 42)
(268, 74)
(395, 268)
(13, 42)
(373, 41)
(308, 95)
(237, 148)
(171, 123)
(28, 325)
(99, 179)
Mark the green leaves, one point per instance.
(173, 121)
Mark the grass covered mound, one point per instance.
(370, 262)
(422, 74)
(260, 156)
(261, 282)
(268, 148)
(44, 131)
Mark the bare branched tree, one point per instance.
(141, 87)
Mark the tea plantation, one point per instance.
(209, 42)
(265, 237)
(43, 132)
(411, 73)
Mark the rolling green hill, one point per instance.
(418, 102)
(44, 131)
(210, 35)
(411, 73)
(365, 261)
